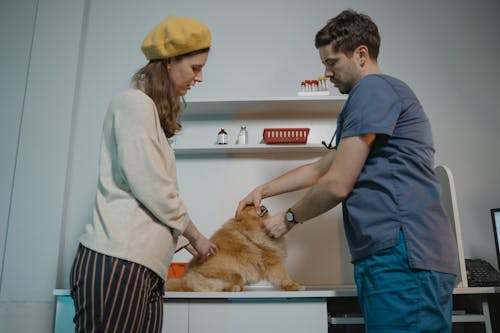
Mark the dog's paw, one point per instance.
(234, 288)
(294, 287)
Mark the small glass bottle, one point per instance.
(243, 136)
(222, 137)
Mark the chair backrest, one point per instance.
(449, 202)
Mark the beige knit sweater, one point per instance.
(138, 213)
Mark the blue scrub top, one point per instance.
(397, 188)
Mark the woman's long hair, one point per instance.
(153, 79)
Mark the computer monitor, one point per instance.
(495, 219)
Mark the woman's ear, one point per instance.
(169, 64)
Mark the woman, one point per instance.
(118, 274)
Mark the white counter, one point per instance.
(265, 309)
(269, 292)
(255, 292)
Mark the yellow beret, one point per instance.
(175, 36)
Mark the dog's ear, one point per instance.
(245, 212)
(237, 219)
(251, 216)
(242, 215)
(248, 217)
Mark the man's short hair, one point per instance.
(347, 31)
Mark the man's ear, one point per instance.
(363, 54)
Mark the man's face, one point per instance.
(343, 71)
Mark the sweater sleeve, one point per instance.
(147, 167)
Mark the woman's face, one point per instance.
(187, 71)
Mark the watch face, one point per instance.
(289, 216)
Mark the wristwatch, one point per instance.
(290, 216)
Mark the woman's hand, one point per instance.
(192, 250)
(199, 245)
(204, 247)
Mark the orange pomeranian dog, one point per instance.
(246, 255)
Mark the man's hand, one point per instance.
(276, 226)
(254, 198)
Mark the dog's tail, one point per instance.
(177, 284)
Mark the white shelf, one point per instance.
(199, 113)
(251, 149)
(276, 105)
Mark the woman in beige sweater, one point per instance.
(119, 270)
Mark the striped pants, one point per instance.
(114, 295)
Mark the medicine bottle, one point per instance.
(222, 137)
(243, 136)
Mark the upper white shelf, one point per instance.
(271, 105)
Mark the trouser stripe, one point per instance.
(114, 295)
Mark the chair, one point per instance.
(449, 202)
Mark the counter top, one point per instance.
(268, 292)
(250, 292)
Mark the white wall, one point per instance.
(445, 50)
(18, 16)
(36, 203)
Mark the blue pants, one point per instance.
(395, 298)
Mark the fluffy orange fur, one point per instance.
(246, 255)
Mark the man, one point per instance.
(382, 171)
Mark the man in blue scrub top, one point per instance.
(382, 171)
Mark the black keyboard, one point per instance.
(481, 273)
